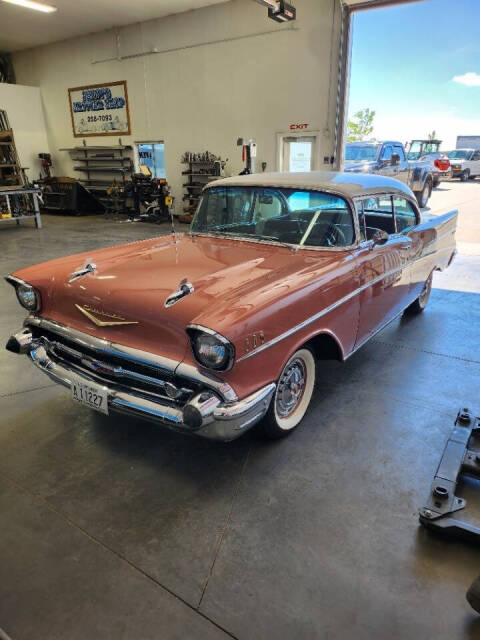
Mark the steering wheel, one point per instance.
(334, 236)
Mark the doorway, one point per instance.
(151, 155)
(297, 152)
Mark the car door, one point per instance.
(475, 171)
(381, 267)
(402, 169)
(385, 161)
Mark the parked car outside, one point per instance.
(465, 163)
(214, 330)
(389, 159)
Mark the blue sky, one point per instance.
(404, 61)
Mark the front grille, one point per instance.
(118, 371)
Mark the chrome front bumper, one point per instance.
(206, 415)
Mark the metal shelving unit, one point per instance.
(102, 165)
(200, 172)
(10, 170)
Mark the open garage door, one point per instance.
(349, 8)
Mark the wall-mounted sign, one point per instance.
(100, 110)
(298, 127)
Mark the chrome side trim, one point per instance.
(142, 357)
(322, 313)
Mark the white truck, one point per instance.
(465, 163)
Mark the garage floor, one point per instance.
(112, 528)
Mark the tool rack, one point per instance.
(10, 169)
(202, 168)
(103, 166)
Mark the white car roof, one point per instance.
(349, 184)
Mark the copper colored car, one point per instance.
(217, 329)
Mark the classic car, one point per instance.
(389, 159)
(465, 163)
(219, 328)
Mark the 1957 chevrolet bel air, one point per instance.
(214, 330)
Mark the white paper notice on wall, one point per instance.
(100, 110)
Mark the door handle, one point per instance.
(405, 247)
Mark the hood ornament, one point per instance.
(115, 319)
(185, 288)
(88, 267)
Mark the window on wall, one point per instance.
(152, 155)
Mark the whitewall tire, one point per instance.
(292, 395)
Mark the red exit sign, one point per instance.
(297, 127)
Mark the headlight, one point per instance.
(27, 296)
(211, 350)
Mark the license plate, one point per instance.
(90, 395)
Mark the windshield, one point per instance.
(419, 148)
(287, 216)
(460, 154)
(367, 152)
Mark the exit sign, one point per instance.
(298, 127)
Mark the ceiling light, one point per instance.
(31, 4)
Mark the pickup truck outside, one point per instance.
(428, 151)
(389, 159)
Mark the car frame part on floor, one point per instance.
(457, 459)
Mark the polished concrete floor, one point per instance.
(112, 528)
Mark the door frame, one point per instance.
(307, 133)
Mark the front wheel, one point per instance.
(424, 194)
(465, 175)
(292, 395)
(421, 302)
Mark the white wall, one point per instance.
(202, 97)
(25, 113)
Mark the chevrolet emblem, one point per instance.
(114, 319)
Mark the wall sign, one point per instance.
(298, 127)
(100, 110)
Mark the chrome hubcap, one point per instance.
(290, 387)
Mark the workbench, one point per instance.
(35, 194)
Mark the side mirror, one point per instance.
(395, 159)
(380, 237)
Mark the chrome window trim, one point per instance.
(144, 357)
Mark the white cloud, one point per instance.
(470, 79)
(403, 126)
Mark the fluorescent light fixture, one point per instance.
(31, 4)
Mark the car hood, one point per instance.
(232, 279)
(354, 165)
(459, 161)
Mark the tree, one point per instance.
(433, 135)
(360, 126)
